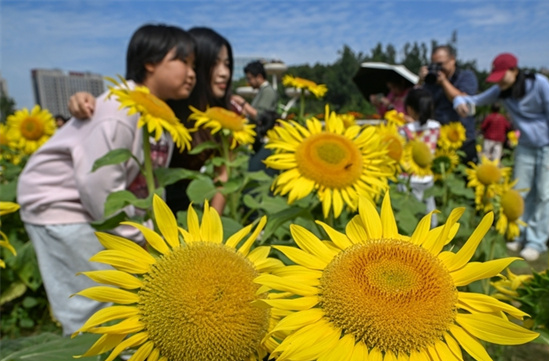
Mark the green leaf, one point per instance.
(109, 223)
(203, 146)
(230, 227)
(118, 200)
(406, 220)
(231, 186)
(8, 192)
(113, 157)
(279, 218)
(26, 266)
(201, 189)
(166, 176)
(46, 347)
(29, 302)
(14, 290)
(259, 176)
(250, 202)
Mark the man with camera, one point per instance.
(445, 81)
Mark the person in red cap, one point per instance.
(525, 97)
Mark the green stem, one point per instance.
(302, 107)
(149, 176)
(232, 198)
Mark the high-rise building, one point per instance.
(53, 88)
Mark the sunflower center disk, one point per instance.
(454, 135)
(196, 305)
(488, 174)
(32, 128)
(329, 159)
(421, 154)
(390, 294)
(513, 205)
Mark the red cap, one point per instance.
(500, 65)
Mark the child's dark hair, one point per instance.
(421, 101)
(150, 44)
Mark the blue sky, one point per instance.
(93, 35)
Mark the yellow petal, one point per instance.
(108, 314)
(132, 341)
(282, 284)
(102, 345)
(342, 351)
(293, 304)
(165, 221)
(445, 353)
(483, 303)
(131, 249)
(495, 329)
(308, 342)
(360, 352)
(308, 242)
(468, 250)
(355, 231)
(211, 228)
(193, 225)
(120, 261)
(143, 352)
(245, 248)
(388, 222)
(475, 271)
(470, 344)
(235, 239)
(453, 346)
(370, 218)
(375, 355)
(298, 320)
(125, 327)
(152, 237)
(114, 278)
(109, 294)
(340, 240)
(301, 257)
(434, 245)
(422, 230)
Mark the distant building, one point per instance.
(53, 88)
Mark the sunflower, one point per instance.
(27, 131)
(445, 161)
(317, 89)
(452, 135)
(487, 178)
(6, 208)
(339, 163)
(155, 113)
(229, 122)
(192, 301)
(394, 141)
(373, 294)
(512, 138)
(395, 117)
(417, 158)
(507, 287)
(7, 152)
(511, 209)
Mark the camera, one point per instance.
(432, 73)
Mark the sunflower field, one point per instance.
(328, 254)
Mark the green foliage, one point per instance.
(534, 298)
(7, 107)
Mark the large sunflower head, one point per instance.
(511, 208)
(6, 208)
(156, 115)
(27, 131)
(317, 89)
(372, 293)
(228, 122)
(192, 298)
(338, 163)
(452, 135)
(417, 158)
(445, 161)
(487, 177)
(395, 117)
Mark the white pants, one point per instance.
(62, 251)
(492, 149)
